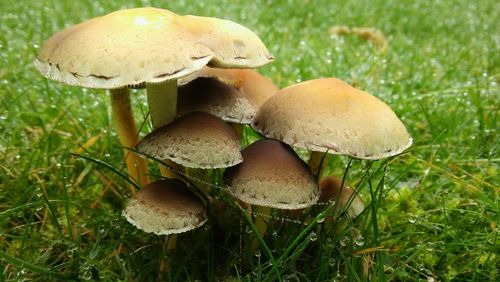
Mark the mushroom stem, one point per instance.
(162, 101)
(129, 135)
(315, 163)
(262, 214)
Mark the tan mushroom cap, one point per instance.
(330, 190)
(165, 207)
(231, 94)
(272, 175)
(132, 46)
(330, 115)
(198, 140)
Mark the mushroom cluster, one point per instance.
(201, 86)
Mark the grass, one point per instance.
(432, 213)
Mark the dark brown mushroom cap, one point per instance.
(330, 115)
(165, 207)
(232, 94)
(198, 140)
(330, 190)
(272, 175)
(132, 46)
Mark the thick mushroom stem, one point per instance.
(129, 135)
(162, 101)
(315, 162)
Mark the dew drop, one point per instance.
(248, 230)
(360, 240)
(344, 241)
(258, 253)
(313, 236)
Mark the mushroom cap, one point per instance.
(330, 190)
(232, 94)
(133, 46)
(165, 207)
(272, 175)
(198, 140)
(330, 115)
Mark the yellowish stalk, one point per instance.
(129, 135)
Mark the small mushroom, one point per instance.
(331, 189)
(272, 175)
(196, 140)
(165, 207)
(329, 115)
(234, 95)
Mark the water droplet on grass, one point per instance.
(313, 236)
(258, 253)
(360, 240)
(248, 230)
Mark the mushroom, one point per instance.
(165, 207)
(271, 176)
(329, 115)
(147, 46)
(231, 94)
(331, 189)
(197, 140)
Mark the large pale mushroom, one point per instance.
(329, 115)
(147, 46)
